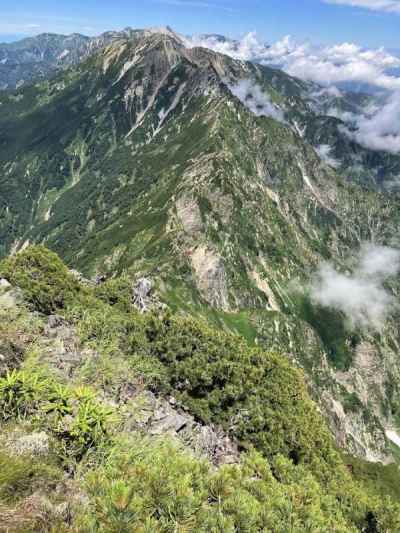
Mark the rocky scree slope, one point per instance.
(142, 160)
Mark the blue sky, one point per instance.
(322, 21)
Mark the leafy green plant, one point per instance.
(87, 427)
(21, 394)
(74, 416)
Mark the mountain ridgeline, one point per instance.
(145, 157)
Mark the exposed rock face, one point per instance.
(157, 416)
(10, 296)
(266, 289)
(141, 294)
(354, 434)
(189, 215)
(62, 350)
(210, 277)
(144, 297)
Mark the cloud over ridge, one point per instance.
(361, 295)
(256, 100)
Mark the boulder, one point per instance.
(4, 284)
(35, 444)
(141, 294)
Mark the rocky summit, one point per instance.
(238, 301)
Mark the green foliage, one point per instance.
(294, 480)
(87, 425)
(331, 326)
(116, 292)
(74, 416)
(379, 479)
(45, 280)
(258, 396)
(123, 339)
(21, 394)
(22, 476)
(153, 485)
(352, 403)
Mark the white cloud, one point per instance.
(387, 6)
(378, 128)
(249, 48)
(361, 296)
(324, 152)
(258, 101)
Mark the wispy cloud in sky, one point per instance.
(388, 6)
(32, 24)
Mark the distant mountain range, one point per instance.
(35, 58)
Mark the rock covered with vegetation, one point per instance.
(78, 453)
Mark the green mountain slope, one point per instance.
(141, 161)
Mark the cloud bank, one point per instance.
(379, 129)
(361, 296)
(325, 65)
(332, 68)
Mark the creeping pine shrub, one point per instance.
(154, 485)
(259, 397)
(74, 416)
(45, 280)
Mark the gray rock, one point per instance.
(54, 321)
(10, 298)
(141, 294)
(81, 278)
(37, 444)
(4, 284)
(167, 423)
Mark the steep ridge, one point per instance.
(153, 158)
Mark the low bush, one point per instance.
(46, 282)
(259, 397)
(22, 476)
(154, 485)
